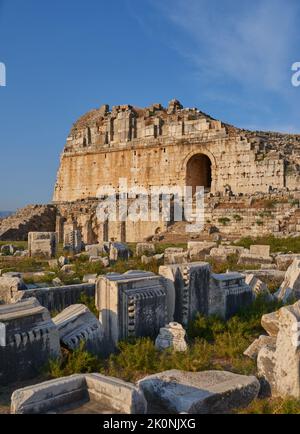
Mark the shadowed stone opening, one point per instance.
(198, 172)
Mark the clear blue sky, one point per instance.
(229, 58)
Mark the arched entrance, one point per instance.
(198, 172)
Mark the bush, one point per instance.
(90, 303)
(224, 221)
(77, 362)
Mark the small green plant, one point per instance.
(90, 303)
(237, 218)
(259, 222)
(224, 221)
(78, 361)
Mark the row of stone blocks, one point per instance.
(164, 393)
(139, 303)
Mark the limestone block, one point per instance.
(90, 393)
(89, 278)
(119, 251)
(284, 261)
(253, 350)
(228, 293)
(152, 259)
(280, 365)
(223, 253)
(258, 287)
(171, 336)
(132, 304)
(97, 249)
(290, 287)
(198, 250)
(175, 256)
(68, 268)
(10, 288)
(191, 284)
(145, 249)
(28, 339)
(63, 261)
(104, 261)
(76, 324)
(207, 392)
(270, 322)
(260, 250)
(73, 241)
(42, 244)
(251, 259)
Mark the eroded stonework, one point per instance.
(174, 146)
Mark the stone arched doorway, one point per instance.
(199, 172)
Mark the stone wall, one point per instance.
(157, 146)
(58, 298)
(32, 218)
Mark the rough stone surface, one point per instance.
(270, 322)
(279, 365)
(119, 251)
(28, 339)
(171, 336)
(258, 287)
(253, 259)
(55, 299)
(145, 249)
(197, 250)
(158, 259)
(187, 289)
(32, 218)
(10, 288)
(253, 350)
(104, 394)
(42, 244)
(290, 287)
(132, 304)
(284, 261)
(200, 393)
(260, 250)
(77, 324)
(228, 293)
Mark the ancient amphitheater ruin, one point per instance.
(244, 173)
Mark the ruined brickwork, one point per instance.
(250, 178)
(173, 146)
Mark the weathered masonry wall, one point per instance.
(156, 146)
(233, 164)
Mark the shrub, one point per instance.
(78, 361)
(224, 221)
(90, 303)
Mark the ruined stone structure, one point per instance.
(28, 339)
(250, 178)
(172, 146)
(131, 305)
(42, 244)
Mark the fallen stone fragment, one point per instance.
(279, 364)
(290, 288)
(207, 392)
(76, 324)
(253, 350)
(171, 336)
(90, 394)
(270, 322)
